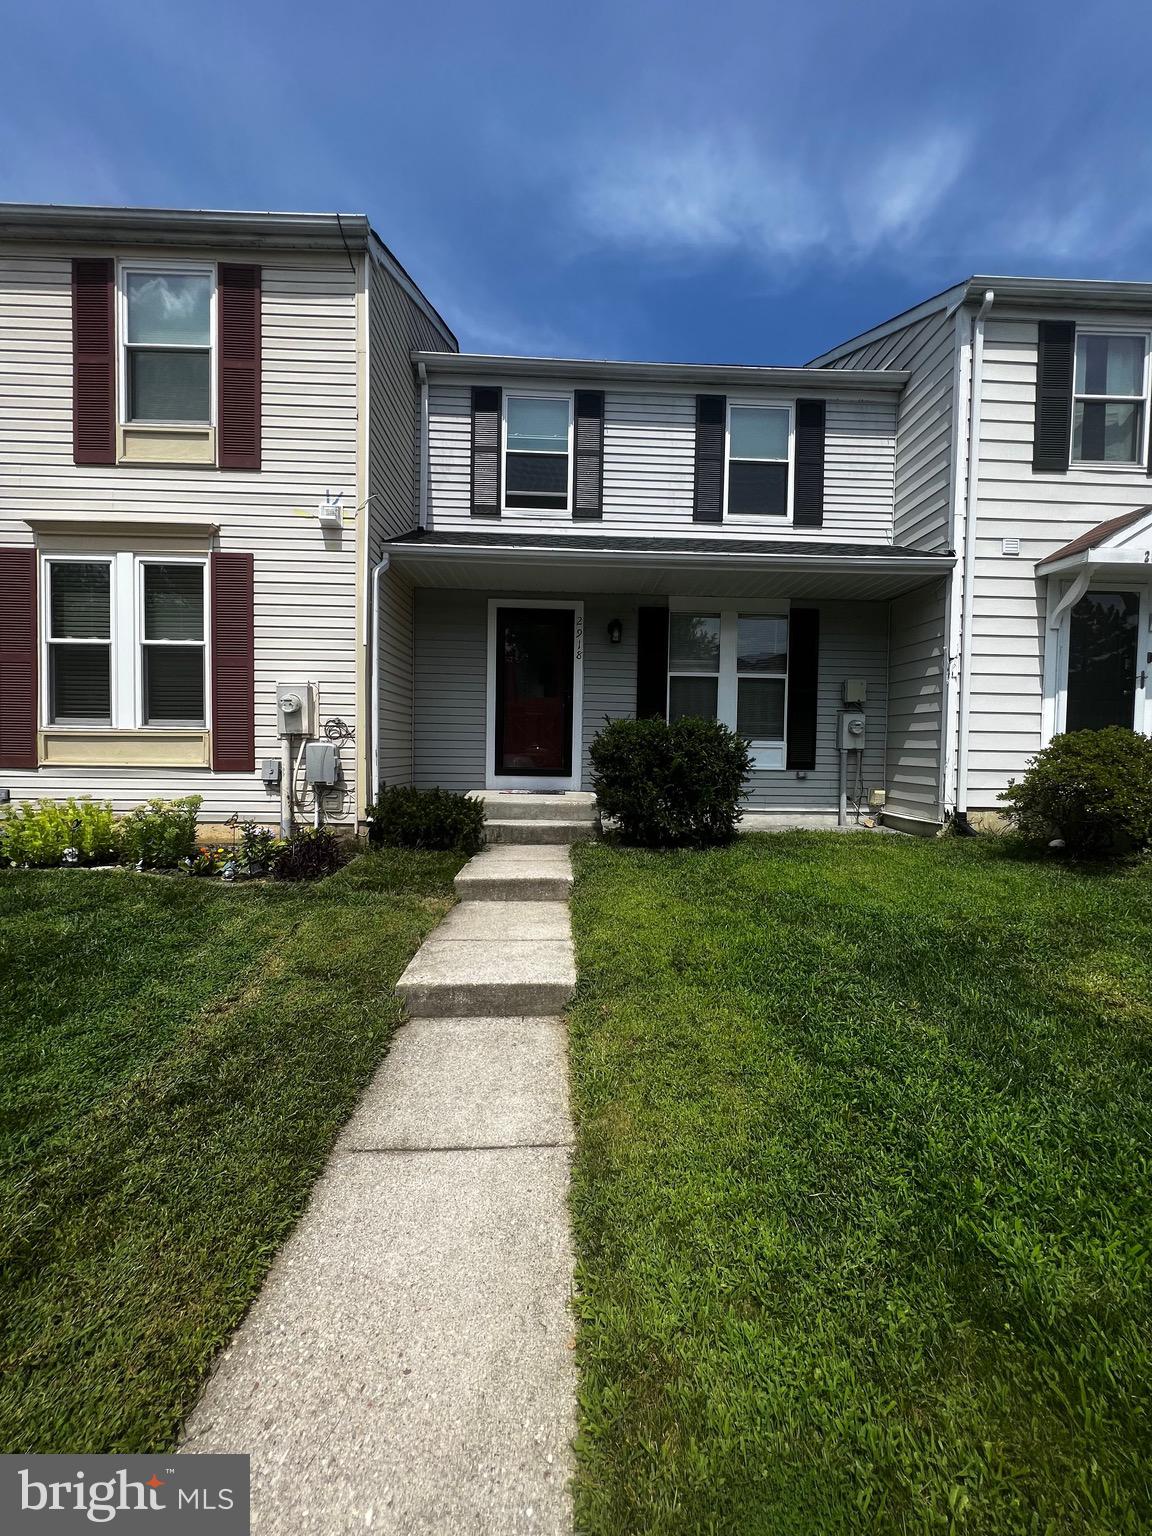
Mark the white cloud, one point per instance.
(718, 193)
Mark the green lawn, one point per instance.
(178, 1057)
(862, 1195)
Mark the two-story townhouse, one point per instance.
(208, 426)
(602, 539)
(1022, 443)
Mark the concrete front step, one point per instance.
(533, 832)
(517, 873)
(533, 977)
(513, 806)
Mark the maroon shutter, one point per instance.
(93, 362)
(238, 426)
(233, 664)
(17, 658)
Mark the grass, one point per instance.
(179, 1057)
(862, 1195)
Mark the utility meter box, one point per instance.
(854, 693)
(321, 763)
(852, 732)
(296, 709)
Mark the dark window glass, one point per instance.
(173, 684)
(173, 602)
(537, 479)
(168, 386)
(760, 708)
(1102, 661)
(79, 678)
(691, 696)
(1106, 431)
(760, 489)
(81, 600)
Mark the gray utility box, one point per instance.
(321, 763)
(852, 732)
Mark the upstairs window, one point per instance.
(537, 451)
(126, 642)
(1109, 394)
(167, 337)
(759, 438)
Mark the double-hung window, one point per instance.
(537, 451)
(759, 450)
(166, 332)
(126, 641)
(730, 664)
(1110, 391)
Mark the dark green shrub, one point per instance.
(37, 835)
(669, 786)
(1093, 789)
(404, 817)
(160, 834)
(308, 855)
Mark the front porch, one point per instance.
(519, 653)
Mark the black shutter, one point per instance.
(651, 663)
(1055, 356)
(485, 452)
(803, 685)
(708, 490)
(808, 502)
(589, 478)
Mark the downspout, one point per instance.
(971, 501)
(423, 445)
(378, 570)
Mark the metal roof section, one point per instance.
(681, 375)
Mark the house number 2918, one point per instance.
(579, 639)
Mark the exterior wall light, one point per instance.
(615, 632)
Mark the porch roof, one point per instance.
(684, 566)
(1108, 550)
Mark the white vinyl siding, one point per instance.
(649, 457)
(450, 644)
(305, 582)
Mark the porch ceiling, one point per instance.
(663, 567)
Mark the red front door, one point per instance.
(534, 653)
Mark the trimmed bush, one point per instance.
(1093, 789)
(308, 855)
(37, 835)
(404, 817)
(160, 834)
(670, 786)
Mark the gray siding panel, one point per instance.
(396, 681)
(916, 678)
(451, 683)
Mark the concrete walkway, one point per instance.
(407, 1366)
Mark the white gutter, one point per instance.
(423, 371)
(378, 570)
(968, 574)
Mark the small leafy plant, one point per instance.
(1090, 789)
(162, 833)
(256, 848)
(38, 835)
(308, 855)
(404, 817)
(670, 786)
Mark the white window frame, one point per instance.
(175, 269)
(764, 518)
(568, 396)
(1113, 466)
(767, 756)
(126, 639)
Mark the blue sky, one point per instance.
(744, 182)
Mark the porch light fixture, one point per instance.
(615, 632)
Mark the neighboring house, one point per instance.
(602, 539)
(1023, 444)
(182, 393)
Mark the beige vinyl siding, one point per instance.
(451, 687)
(649, 448)
(917, 670)
(1044, 511)
(924, 432)
(305, 577)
